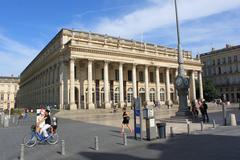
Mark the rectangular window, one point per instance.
(224, 60)
(161, 78)
(235, 58)
(102, 74)
(151, 77)
(8, 97)
(171, 78)
(141, 77)
(213, 62)
(219, 61)
(229, 59)
(116, 74)
(129, 75)
(2, 97)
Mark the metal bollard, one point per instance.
(63, 147)
(6, 122)
(22, 152)
(201, 125)
(96, 143)
(214, 123)
(125, 139)
(171, 131)
(188, 128)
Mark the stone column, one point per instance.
(106, 85)
(61, 87)
(134, 81)
(200, 84)
(157, 84)
(193, 88)
(146, 86)
(121, 84)
(73, 106)
(90, 102)
(168, 100)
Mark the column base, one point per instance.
(73, 106)
(107, 105)
(61, 107)
(91, 106)
(122, 104)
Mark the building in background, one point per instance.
(8, 92)
(223, 68)
(83, 70)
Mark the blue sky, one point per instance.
(27, 26)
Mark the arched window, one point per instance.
(141, 90)
(129, 95)
(162, 94)
(116, 95)
(152, 94)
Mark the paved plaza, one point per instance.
(220, 143)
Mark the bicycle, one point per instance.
(31, 140)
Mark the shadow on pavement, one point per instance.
(199, 147)
(110, 156)
(183, 147)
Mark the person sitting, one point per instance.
(40, 122)
(47, 124)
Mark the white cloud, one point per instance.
(14, 56)
(160, 14)
(13, 46)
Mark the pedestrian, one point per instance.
(205, 114)
(126, 119)
(194, 109)
(200, 105)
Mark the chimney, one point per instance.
(228, 45)
(213, 49)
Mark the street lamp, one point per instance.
(182, 82)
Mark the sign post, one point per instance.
(137, 119)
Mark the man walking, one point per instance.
(205, 107)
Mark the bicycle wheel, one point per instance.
(53, 139)
(30, 140)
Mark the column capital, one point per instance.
(90, 59)
(72, 58)
(121, 63)
(106, 61)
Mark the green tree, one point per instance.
(209, 90)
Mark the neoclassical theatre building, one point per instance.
(84, 70)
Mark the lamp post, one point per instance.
(182, 82)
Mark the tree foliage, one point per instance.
(209, 90)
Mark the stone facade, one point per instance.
(223, 68)
(8, 91)
(81, 70)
